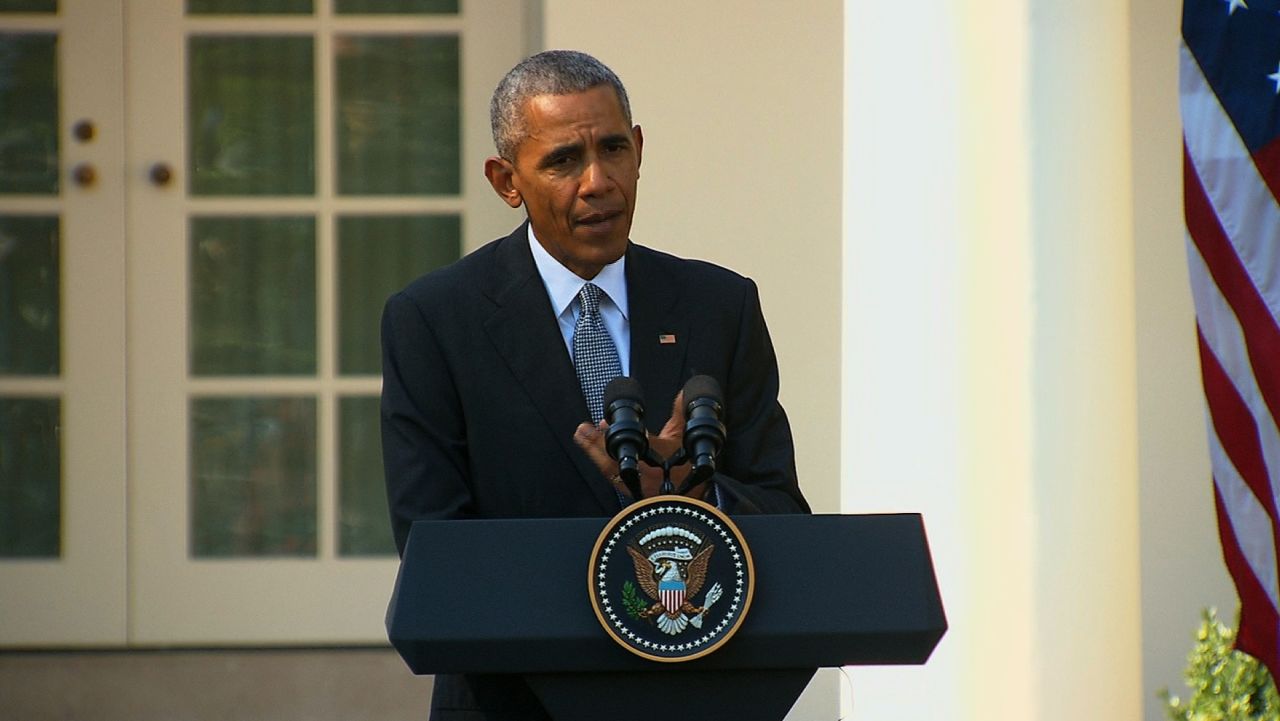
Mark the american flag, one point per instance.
(1230, 94)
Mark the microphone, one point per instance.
(626, 439)
(703, 431)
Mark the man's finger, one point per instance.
(674, 427)
(590, 438)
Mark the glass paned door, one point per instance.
(315, 160)
(250, 7)
(62, 460)
(251, 114)
(29, 149)
(397, 117)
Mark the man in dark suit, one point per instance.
(483, 412)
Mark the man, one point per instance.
(492, 366)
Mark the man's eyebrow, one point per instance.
(559, 153)
(616, 139)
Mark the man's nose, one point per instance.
(595, 179)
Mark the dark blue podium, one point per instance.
(510, 596)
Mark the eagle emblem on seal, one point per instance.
(671, 574)
(657, 570)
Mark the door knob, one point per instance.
(161, 174)
(83, 130)
(84, 175)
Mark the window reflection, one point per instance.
(253, 477)
(253, 287)
(30, 478)
(398, 118)
(252, 115)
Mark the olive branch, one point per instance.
(631, 601)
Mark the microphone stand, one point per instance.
(668, 487)
(679, 458)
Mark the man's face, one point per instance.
(575, 173)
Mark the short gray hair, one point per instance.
(551, 72)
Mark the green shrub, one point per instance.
(1226, 685)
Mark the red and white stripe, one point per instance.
(672, 599)
(1233, 251)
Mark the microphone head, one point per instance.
(623, 388)
(702, 387)
(704, 431)
(625, 440)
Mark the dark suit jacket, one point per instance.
(480, 402)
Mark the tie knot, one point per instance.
(589, 297)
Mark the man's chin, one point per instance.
(611, 241)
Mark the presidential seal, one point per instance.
(671, 578)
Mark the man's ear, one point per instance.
(637, 137)
(501, 175)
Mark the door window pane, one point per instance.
(253, 296)
(29, 113)
(29, 296)
(252, 122)
(30, 478)
(371, 7)
(248, 7)
(378, 255)
(364, 526)
(397, 119)
(253, 477)
(28, 6)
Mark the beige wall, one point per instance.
(740, 103)
(1182, 569)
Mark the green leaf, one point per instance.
(1225, 684)
(631, 601)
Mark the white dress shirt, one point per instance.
(563, 287)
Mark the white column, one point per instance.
(1088, 620)
(988, 372)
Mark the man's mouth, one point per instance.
(596, 219)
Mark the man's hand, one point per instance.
(668, 441)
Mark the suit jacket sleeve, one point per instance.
(423, 434)
(758, 461)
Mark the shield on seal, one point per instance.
(671, 593)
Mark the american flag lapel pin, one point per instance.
(666, 338)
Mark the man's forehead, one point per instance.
(598, 102)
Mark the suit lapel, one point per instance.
(527, 336)
(659, 335)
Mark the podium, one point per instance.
(510, 596)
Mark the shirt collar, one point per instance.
(563, 285)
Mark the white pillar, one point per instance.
(988, 369)
(1088, 620)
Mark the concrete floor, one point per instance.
(239, 685)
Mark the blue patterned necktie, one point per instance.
(594, 355)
